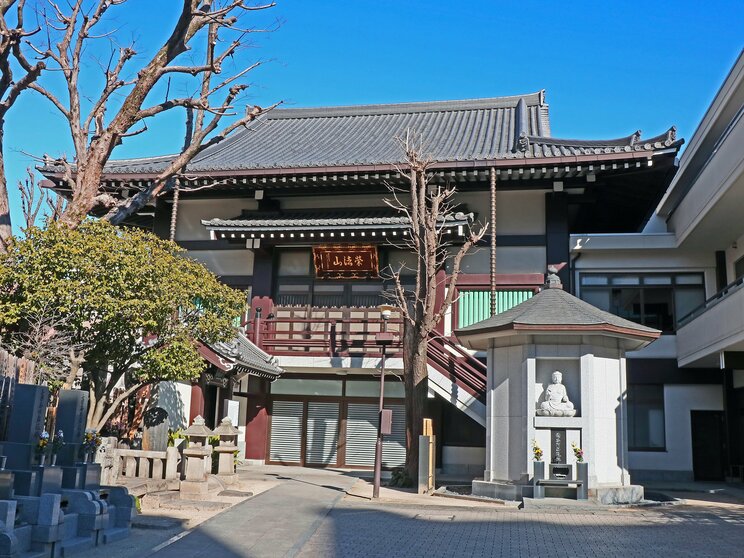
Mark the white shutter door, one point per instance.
(286, 432)
(394, 444)
(322, 433)
(361, 434)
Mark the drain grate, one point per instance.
(434, 517)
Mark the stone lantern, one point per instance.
(556, 379)
(226, 450)
(198, 457)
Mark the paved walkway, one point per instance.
(309, 515)
(275, 523)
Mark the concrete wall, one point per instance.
(675, 463)
(465, 461)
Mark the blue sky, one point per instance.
(609, 68)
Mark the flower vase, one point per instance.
(539, 470)
(582, 474)
(85, 457)
(54, 459)
(42, 459)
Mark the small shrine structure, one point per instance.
(556, 379)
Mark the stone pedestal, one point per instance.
(7, 480)
(226, 463)
(73, 477)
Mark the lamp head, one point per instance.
(386, 310)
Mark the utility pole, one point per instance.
(383, 339)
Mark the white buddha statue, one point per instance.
(555, 401)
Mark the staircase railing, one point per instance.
(455, 363)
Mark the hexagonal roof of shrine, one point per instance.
(553, 311)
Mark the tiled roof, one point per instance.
(515, 127)
(555, 307)
(322, 220)
(248, 357)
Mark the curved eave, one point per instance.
(478, 339)
(515, 163)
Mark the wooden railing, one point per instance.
(326, 336)
(333, 337)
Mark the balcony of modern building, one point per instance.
(714, 331)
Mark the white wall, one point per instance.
(175, 398)
(679, 400)
(191, 213)
(225, 262)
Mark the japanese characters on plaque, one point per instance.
(345, 261)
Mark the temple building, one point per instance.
(293, 213)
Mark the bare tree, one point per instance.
(13, 80)
(428, 207)
(37, 202)
(46, 339)
(95, 134)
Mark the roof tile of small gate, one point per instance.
(249, 356)
(555, 307)
(516, 127)
(308, 219)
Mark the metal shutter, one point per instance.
(322, 433)
(361, 434)
(286, 431)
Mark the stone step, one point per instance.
(115, 534)
(70, 546)
(34, 554)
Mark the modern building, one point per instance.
(683, 274)
(300, 193)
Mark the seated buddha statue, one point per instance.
(555, 400)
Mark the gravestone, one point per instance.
(558, 445)
(72, 411)
(157, 425)
(27, 419)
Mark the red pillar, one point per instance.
(197, 402)
(257, 426)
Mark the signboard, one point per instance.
(345, 261)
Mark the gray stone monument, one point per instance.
(155, 435)
(27, 419)
(72, 412)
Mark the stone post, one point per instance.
(195, 485)
(226, 451)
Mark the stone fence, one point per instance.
(128, 464)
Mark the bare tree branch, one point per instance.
(107, 123)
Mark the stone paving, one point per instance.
(308, 514)
(353, 530)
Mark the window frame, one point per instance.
(642, 285)
(630, 406)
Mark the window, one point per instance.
(646, 418)
(739, 268)
(656, 300)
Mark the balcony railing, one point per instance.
(712, 301)
(326, 336)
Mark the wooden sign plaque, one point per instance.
(345, 261)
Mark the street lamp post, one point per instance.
(383, 339)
